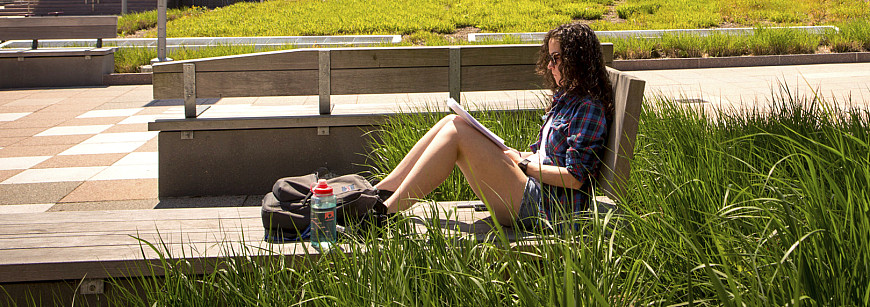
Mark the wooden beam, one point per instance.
(454, 76)
(189, 90)
(324, 81)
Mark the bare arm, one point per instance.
(549, 174)
(553, 175)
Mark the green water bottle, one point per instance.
(322, 216)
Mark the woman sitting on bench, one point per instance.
(557, 176)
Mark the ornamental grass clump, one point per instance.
(760, 207)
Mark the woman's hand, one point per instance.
(514, 155)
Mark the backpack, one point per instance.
(286, 210)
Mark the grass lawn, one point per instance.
(445, 22)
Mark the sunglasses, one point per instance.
(554, 57)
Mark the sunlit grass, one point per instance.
(760, 208)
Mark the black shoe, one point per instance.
(385, 194)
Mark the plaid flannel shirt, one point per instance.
(576, 142)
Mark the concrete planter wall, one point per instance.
(40, 68)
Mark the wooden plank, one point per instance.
(389, 80)
(499, 55)
(628, 98)
(65, 32)
(454, 75)
(238, 84)
(254, 228)
(66, 255)
(75, 240)
(189, 76)
(63, 217)
(324, 81)
(132, 227)
(240, 123)
(129, 261)
(298, 59)
(392, 57)
(495, 78)
(59, 21)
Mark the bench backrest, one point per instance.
(616, 167)
(368, 70)
(59, 27)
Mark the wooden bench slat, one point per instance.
(131, 226)
(498, 78)
(389, 80)
(61, 217)
(61, 27)
(120, 261)
(214, 84)
(499, 55)
(354, 58)
(263, 61)
(255, 227)
(72, 240)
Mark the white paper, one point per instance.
(474, 123)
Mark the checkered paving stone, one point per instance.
(82, 150)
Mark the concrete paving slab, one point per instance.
(34, 208)
(198, 202)
(6, 141)
(98, 190)
(16, 150)
(6, 174)
(92, 121)
(35, 193)
(53, 140)
(34, 123)
(19, 132)
(6, 108)
(106, 205)
(80, 160)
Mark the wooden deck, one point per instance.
(53, 246)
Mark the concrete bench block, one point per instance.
(55, 67)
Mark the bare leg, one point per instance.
(395, 178)
(491, 174)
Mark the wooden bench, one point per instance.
(234, 155)
(56, 66)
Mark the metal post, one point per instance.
(189, 76)
(161, 30)
(161, 33)
(324, 81)
(123, 7)
(454, 75)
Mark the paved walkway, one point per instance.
(90, 149)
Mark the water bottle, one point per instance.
(322, 216)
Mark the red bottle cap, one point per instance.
(322, 188)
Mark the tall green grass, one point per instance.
(764, 41)
(131, 23)
(335, 17)
(761, 208)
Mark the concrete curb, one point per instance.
(742, 61)
(644, 64)
(127, 79)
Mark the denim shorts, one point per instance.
(530, 214)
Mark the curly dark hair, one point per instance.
(582, 70)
